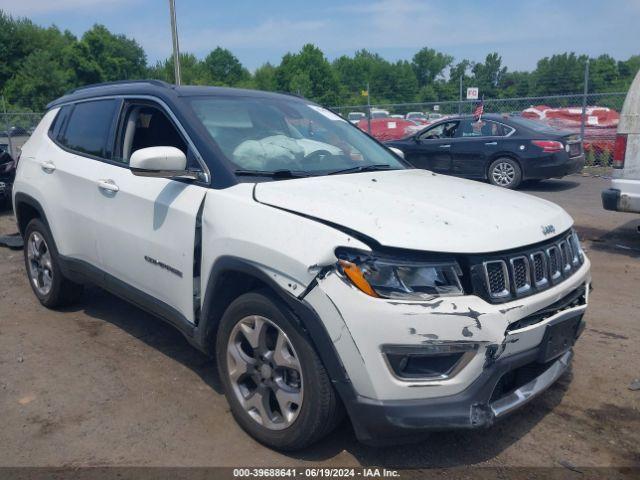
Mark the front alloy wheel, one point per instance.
(265, 372)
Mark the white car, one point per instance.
(323, 274)
(624, 194)
(355, 117)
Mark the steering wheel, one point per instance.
(316, 155)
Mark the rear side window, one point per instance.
(88, 127)
(59, 122)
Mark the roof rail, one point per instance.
(158, 83)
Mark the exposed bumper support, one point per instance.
(530, 390)
(387, 422)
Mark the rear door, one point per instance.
(147, 231)
(431, 149)
(80, 137)
(476, 144)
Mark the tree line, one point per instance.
(38, 64)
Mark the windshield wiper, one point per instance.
(273, 173)
(362, 168)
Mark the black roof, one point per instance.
(158, 88)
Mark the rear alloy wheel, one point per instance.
(41, 259)
(505, 172)
(274, 381)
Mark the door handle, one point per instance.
(108, 185)
(48, 166)
(445, 146)
(491, 143)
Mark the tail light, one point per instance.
(619, 150)
(548, 146)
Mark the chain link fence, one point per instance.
(595, 115)
(597, 120)
(15, 128)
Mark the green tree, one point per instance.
(487, 75)
(192, 70)
(224, 68)
(559, 74)
(308, 73)
(264, 77)
(39, 80)
(119, 57)
(428, 64)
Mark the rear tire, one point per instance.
(42, 262)
(505, 172)
(275, 383)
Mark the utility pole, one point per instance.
(584, 100)
(176, 46)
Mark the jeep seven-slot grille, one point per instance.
(514, 274)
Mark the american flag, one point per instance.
(478, 110)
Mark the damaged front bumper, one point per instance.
(509, 353)
(382, 422)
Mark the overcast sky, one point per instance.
(522, 31)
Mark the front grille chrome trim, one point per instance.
(545, 274)
(527, 285)
(506, 291)
(554, 253)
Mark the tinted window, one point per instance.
(535, 125)
(59, 121)
(88, 127)
(483, 128)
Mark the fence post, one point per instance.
(460, 102)
(7, 127)
(584, 100)
(368, 109)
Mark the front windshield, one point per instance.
(276, 134)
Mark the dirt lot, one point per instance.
(106, 384)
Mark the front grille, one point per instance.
(497, 278)
(514, 274)
(521, 276)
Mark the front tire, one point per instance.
(505, 172)
(42, 262)
(276, 385)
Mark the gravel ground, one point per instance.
(105, 384)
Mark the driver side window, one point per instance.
(442, 130)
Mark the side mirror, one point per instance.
(397, 151)
(160, 162)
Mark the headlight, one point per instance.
(401, 279)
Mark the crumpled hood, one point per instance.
(419, 210)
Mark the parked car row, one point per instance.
(502, 149)
(324, 273)
(624, 194)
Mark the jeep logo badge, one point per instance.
(548, 229)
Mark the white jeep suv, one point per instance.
(323, 273)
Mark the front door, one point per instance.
(148, 225)
(431, 149)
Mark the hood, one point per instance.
(420, 210)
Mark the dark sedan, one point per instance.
(503, 149)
